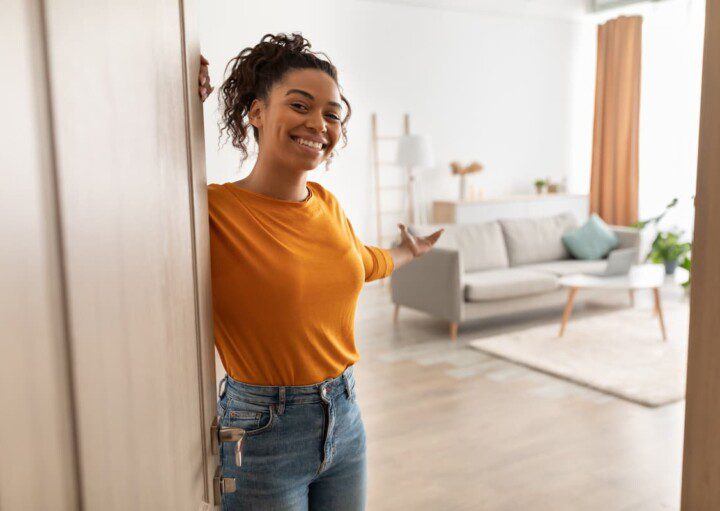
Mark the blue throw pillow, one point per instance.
(594, 240)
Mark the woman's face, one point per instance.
(300, 124)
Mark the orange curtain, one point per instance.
(614, 173)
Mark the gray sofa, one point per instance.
(478, 271)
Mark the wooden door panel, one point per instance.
(37, 458)
(701, 458)
(118, 92)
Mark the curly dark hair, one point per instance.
(255, 70)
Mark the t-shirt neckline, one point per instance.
(266, 199)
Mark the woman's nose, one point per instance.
(317, 123)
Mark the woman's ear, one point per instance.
(255, 113)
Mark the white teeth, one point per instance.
(309, 143)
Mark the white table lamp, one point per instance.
(414, 151)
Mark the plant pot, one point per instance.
(670, 267)
(539, 189)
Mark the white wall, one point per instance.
(514, 92)
(492, 88)
(669, 105)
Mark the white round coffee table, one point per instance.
(646, 276)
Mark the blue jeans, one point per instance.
(304, 446)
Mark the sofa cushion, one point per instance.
(506, 283)
(567, 267)
(481, 245)
(536, 240)
(591, 241)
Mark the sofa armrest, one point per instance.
(431, 283)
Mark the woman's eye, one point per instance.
(299, 105)
(334, 117)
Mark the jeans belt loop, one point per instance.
(281, 406)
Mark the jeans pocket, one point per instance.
(252, 417)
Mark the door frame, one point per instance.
(701, 460)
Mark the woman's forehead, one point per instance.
(315, 83)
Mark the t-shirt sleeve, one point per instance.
(212, 197)
(378, 262)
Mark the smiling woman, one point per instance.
(287, 269)
(306, 85)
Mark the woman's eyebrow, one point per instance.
(310, 96)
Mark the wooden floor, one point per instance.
(450, 428)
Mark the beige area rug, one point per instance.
(620, 353)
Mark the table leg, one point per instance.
(568, 310)
(632, 298)
(453, 330)
(658, 310)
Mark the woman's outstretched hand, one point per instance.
(411, 246)
(204, 79)
(418, 245)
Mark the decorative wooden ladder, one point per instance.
(380, 187)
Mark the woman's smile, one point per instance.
(309, 146)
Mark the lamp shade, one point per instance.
(414, 151)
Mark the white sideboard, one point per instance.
(512, 206)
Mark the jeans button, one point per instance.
(324, 391)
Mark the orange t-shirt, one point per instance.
(286, 277)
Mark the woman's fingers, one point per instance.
(403, 232)
(407, 237)
(204, 79)
(204, 75)
(432, 238)
(419, 244)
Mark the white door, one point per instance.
(37, 454)
(107, 356)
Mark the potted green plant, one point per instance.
(668, 249)
(540, 185)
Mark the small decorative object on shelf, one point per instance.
(540, 185)
(552, 187)
(458, 169)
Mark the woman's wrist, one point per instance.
(401, 255)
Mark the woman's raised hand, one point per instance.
(204, 79)
(418, 245)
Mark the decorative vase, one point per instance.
(670, 267)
